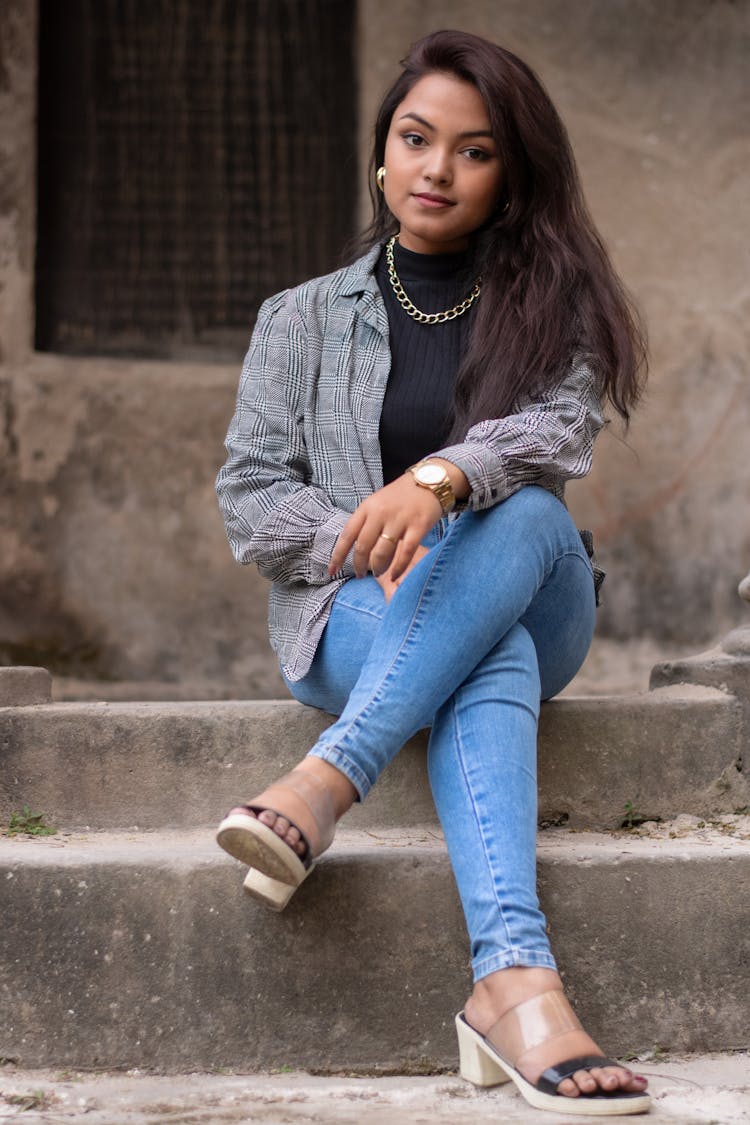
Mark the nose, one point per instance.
(438, 167)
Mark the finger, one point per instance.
(345, 541)
(370, 547)
(404, 555)
(383, 553)
(361, 558)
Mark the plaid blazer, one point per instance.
(303, 447)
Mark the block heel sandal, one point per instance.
(488, 1060)
(275, 869)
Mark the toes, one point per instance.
(281, 826)
(294, 839)
(291, 835)
(620, 1077)
(585, 1081)
(606, 1078)
(284, 828)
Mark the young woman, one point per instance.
(403, 432)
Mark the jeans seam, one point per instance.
(469, 788)
(357, 608)
(521, 957)
(564, 554)
(350, 769)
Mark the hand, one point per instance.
(386, 529)
(388, 585)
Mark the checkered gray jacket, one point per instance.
(303, 449)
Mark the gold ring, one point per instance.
(389, 538)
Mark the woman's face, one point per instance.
(442, 168)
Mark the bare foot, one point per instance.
(497, 993)
(342, 793)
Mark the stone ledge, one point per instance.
(22, 686)
(165, 765)
(136, 951)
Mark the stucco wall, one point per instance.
(112, 557)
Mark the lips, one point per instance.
(433, 200)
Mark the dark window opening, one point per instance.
(193, 160)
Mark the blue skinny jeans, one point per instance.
(496, 617)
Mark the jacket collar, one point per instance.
(360, 275)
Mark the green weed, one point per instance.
(28, 823)
(38, 1099)
(632, 817)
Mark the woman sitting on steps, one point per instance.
(396, 465)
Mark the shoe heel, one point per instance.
(476, 1065)
(271, 892)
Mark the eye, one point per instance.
(414, 140)
(476, 154)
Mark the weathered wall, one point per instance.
(17, 169)
(112, 557)
(113, 560)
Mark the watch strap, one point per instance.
(442, 490)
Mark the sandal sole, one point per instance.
(257, 845)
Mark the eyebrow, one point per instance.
(427, 125)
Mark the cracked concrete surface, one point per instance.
(685, 1090)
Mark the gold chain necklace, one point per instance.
(411, 309)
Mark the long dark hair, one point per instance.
(549, 291)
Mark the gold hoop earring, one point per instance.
(380, 177)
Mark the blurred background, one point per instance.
(167, 164)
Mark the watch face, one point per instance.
(430, 474)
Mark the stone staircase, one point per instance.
(127, 942)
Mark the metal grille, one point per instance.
(193, 159)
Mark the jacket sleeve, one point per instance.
(273, 516)
(549, 440)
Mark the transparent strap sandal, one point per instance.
(276, 870)
(488, 1060)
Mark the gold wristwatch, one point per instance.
(428, 474)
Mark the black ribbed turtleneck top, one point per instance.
(424, 357)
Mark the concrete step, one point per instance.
(166, 765)
(684, 1091)
(139, 950)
